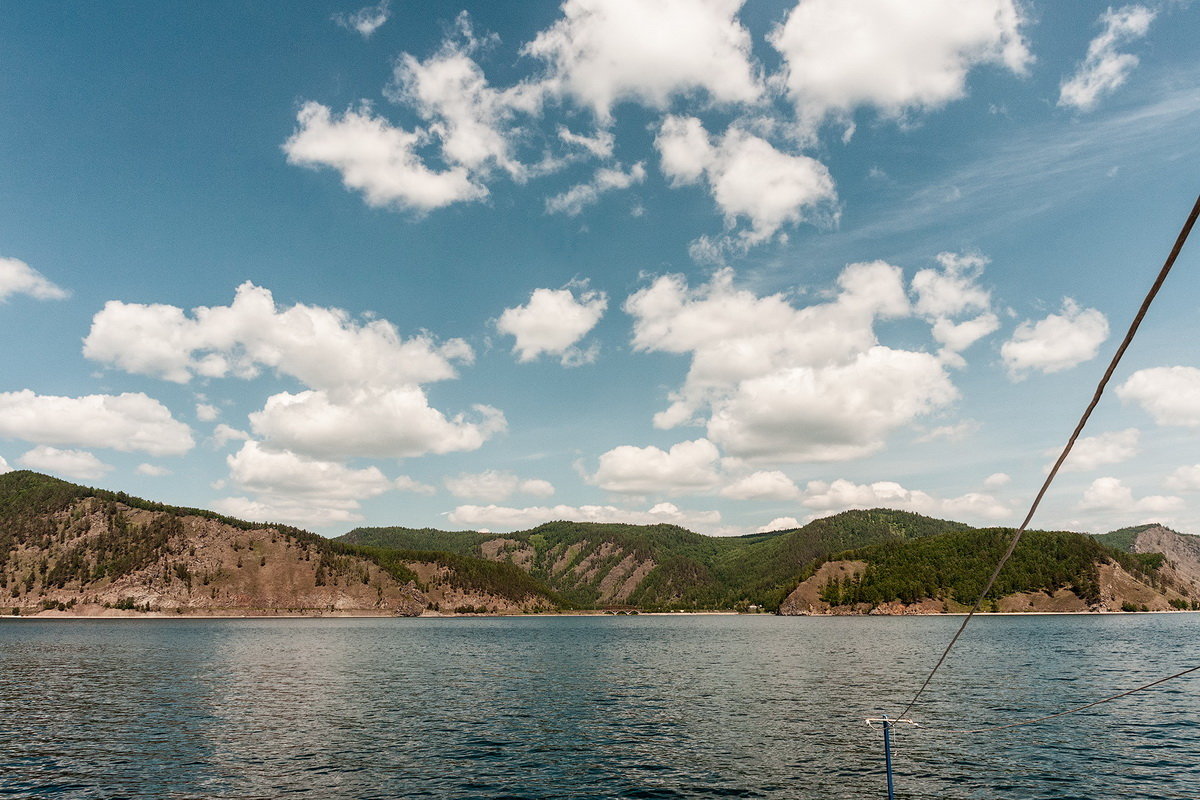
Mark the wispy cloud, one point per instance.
(1022, 174)
(367, 20)
(1105, 69)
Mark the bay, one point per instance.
(593, 707)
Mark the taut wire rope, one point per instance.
(1024, 722)
(1012, 546)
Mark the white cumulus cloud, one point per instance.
(1091, 452)
(152, 470)
(470, 119)
(407, 483)
(1110, 494)
(371, 422)
(748, 177)
(997, 480)
(832, 413)
(896, 56)
(775, 382)
(17, 277)
(322, 347)
(1057, 342)
(537, 487)
(958, 336)
(1171, 395)
(762, 485)
(944, 296)
(597, 54)
(78, 464)
(842, 495)
(293, 512)
(1185, 479)
(366, 397)
(953, 289)
(494, 486)
(780, 524)
(376, 158)
(468, 125)
(259, 469)
(1105, 69)
(289, 487)
(553, 322)
(603, 52)
(686, 467)
(127, 422)
(223, 434)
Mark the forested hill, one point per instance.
(877, 561)
(665, 566)
(68, 548)
(1049, 571)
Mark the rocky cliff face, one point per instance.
(1181, 553)
(806, 599)
(103, 557)
(603, 571)
(65, 549)
(1118, 590)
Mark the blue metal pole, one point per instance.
(887, 755)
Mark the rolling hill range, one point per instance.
(856, 562)
(68, 549)
(664, 566)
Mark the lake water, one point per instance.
(587, 707)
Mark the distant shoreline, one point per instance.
(158, 616)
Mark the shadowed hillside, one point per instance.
(67, 547)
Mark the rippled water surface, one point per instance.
(591, 707)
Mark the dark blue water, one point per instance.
(637, 707)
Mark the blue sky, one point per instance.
(726, 265)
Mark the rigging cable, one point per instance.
(1068, 711)
(1133, 327)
